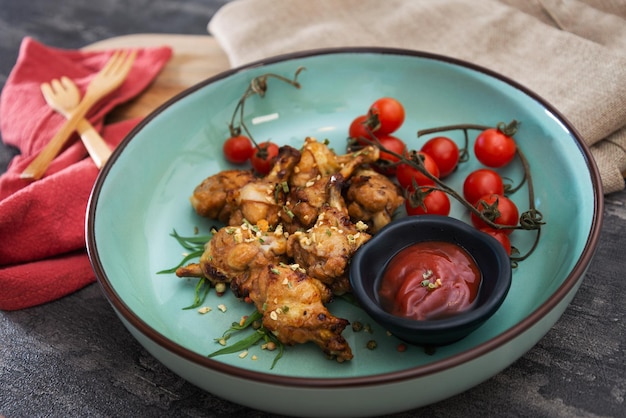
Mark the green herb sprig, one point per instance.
(259, 334)
(195, 246)
(201, 292)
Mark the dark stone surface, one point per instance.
(73, 357)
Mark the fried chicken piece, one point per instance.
(264, 198)
(292, 305)
(291, 302)
(209, 198)
(318, 160)
(373, 198)
(304, 202)
(325, 249)
(235, 251)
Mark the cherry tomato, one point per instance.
(386, 162)
(480, 183)
(504, 210)
(445, 152)
(359, 129)
(405, 173)
(390, 114)
(264, 157)
(238, 149)
(501, 236)
(427, 201)
(494, 148)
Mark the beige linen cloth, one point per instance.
(570, 52)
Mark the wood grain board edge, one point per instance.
(194, 59)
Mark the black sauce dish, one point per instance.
(370, 261)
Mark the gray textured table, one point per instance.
(73, 357)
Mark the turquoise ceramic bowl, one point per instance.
(142, 194)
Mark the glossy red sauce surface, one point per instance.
(430, 280)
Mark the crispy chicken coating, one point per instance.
(318, 160)
(325, 249)
(373, 198)
(292, 304)
(305, 201)
(235, 251)
(209, 198)
(264, 198)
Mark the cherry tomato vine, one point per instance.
(263, 153)
(530, 220)
(422, 179)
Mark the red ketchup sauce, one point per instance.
(430, 280)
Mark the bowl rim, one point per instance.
(469, 318)
(569, 283)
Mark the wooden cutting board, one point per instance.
(195, 58)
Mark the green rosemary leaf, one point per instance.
(236, 326)
(188, 257)
(281, 348)
(191, 243)
(255, 316)
(240, 345)
(202, 290)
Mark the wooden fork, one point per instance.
(63, 96)
(108, 79)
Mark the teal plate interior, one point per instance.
(142, 195)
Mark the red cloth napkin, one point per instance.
(42, 223)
